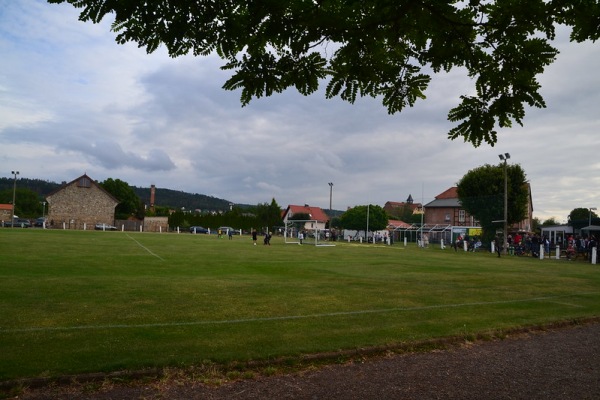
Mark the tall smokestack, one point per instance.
(152, 195)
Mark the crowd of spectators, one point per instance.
(579, 245)
(525, 244)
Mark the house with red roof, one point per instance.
(446, 209)
(5, 212)
(400, 209)
(318, 218)
(394, 224)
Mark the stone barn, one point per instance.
(81, 204)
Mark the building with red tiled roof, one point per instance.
(450, 193)
(317, 216)
(401, 209)
(5, 212)
(446, 209)
(396, 224)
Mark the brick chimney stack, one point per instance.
(152, 196)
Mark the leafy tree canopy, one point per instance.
(550, 222)
(28, 203)
(581, 214)
(406, 214)
(481, 194)
(356, 218)
(268, 215)
(582, 217)
(380, 48)
(300, 217)
(129, 202)
(535, 225)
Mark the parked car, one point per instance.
(39, 222)
(198, 229)
(18, 223)
(226, 229)
(105, 227)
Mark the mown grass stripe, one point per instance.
(287, 317)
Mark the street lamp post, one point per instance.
(330, 194)
(12, 222)
(330, 215)
(43, 209)
(504, 157)
(590, 221)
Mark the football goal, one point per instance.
(305, 232)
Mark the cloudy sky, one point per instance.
(72, 101)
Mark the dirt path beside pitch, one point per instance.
(555, 364)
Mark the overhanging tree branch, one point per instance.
(382, 47)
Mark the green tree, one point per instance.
(129, 202)
(481, 194)
(407, 215)
(356, 218)
(380, 48)
(268, 215)
(159, 211)
(580, 217)
(299, 217)
(536, 225)
(550, 222)
(177, 219)
(334, 222)
(28, 203)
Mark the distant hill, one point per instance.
(164, 197)
(175, 199)
(178, 199)
(43, 188)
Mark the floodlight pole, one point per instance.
(504, 157)
(330, 196)
(12, 222)
(367, 231)
(590, 221)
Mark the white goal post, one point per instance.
(311, 235)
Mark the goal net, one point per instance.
(305, 232)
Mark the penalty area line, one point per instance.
(286, 317)
(145, 248)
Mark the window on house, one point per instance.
(461, 215)
(84, 182)
(447, 218)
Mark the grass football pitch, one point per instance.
(76, 302)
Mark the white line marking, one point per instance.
(567, 304)
(281, 318)
(145, 248)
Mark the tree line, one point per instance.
(31, 193)
(262, 217)
(480, 192)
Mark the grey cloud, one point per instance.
(110, 155)
(149, 118)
